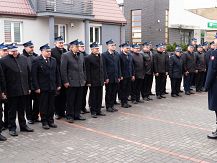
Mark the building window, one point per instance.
(136, 26)
(13, 31)
(167, 27)
(60, 30)
(95, 34)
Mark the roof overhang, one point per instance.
(183, 26)
(72, 16)
(209, 13)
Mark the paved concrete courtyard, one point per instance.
(170, 130)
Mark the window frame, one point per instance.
(94, 26)
(58, 31)
(137, 28)
(12, 31)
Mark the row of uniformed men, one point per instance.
(30, 77)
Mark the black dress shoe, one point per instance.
(13, 133)
(178, 95)
(146, 99)
(159, 97)
(52, 125)
(101, 114)
(2, 138)
(81, 118)
(191, 92)
(173, 95)
(69, 119)
(4, 128)
(140, 101)
(94, 116)
(30, 121)
(152, 94)
(187, 93)
(213, 135)
(149, 98)
(109, 110)
(117, 103)
(181, 91)
(102, 106)
(134, 102)
(37, 121)
(84, 111)
(114, 109)
(162, 96)
(129, 105)
(26, 129)
(45, 126)
(166, 93)
(124, 105)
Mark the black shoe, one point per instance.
(187, 93)
(146, 99)
(30, 121)
(134, 102)
(124, 105)
(13, 133)
(84, 111)
(114, 109)
(58, 117)
(181, 91)
(101, 114)
(191, 92)
(26, 129)
(149, 98)
(45, 126)
(4, 128)
(2, 138)
(152, 94)
(140, 101)
(109, 110)
(117, 103)
(173, 95)
(52, 125)
(129, 105)
(94, 115)
(69, 119)
(166, 93)
(81, 118)
(213, 135)
(162, 96)
(102, 106)
(159, 97)
(178, 95)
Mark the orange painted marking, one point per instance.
(166, 121)
(144, 146)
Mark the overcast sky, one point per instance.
(120, 1)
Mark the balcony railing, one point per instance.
(75, 7)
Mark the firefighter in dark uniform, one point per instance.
(139, 68)
(46, 81)
(2, 90)
(3, 102)
(128, 74)
(60, 99)
(176, 71)
(112, 73)
(32, 111)
(17, 79)
(148, 79)
(211, 86)
(81, 49)
(73, 73)
(200, 68)
(189, 69)
(161, 65)
(95, 80)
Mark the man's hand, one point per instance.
(29, 92)
(196, 71)
(133, 78)
(89, 85)
(58, 88)
(38, 91)
(166, 73)
(157, 74)
(66, 85)
(106, 81)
